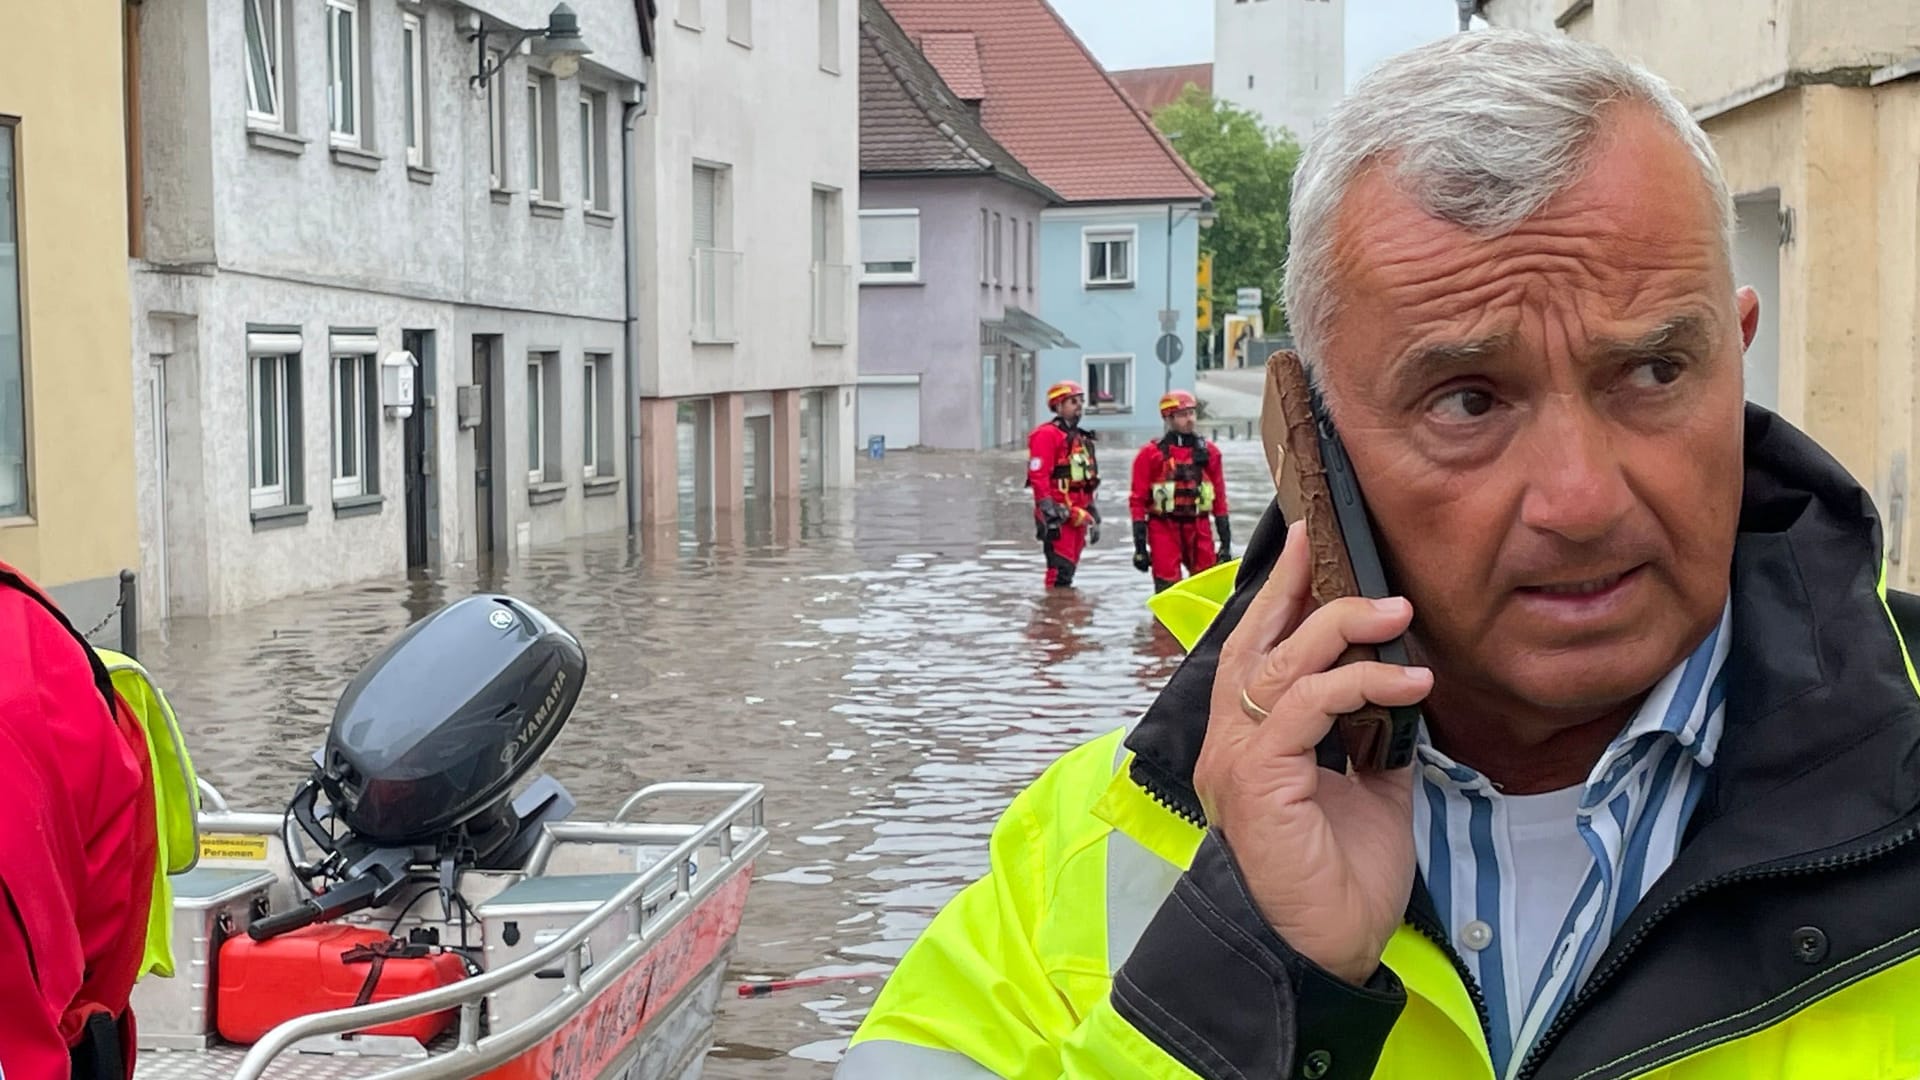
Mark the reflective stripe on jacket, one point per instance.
(1111, 935)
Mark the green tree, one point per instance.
(1250, 168)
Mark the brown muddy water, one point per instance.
(882, 658)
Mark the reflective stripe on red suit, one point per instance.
(77, 843)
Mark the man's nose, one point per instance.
(1576, 486)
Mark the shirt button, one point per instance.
(1476, 935)
(1316, 1065)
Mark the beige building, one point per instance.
(67, 515)
(1814, 109)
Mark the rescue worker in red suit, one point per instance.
(1063, 473)
(1177, 484)
(78, 848)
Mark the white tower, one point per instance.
(1285, 60)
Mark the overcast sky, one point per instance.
(1152, 33)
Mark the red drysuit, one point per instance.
(1063, 473)
(1178, 485)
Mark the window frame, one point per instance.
(496, 125)
(536, 418)
(594, 369)
(413, 48)
(1108, 234)
(284, 356)
(740, 23)
(1087, 364)
(359, 414)
(15, 301)
(829, 15)
(893, 277)
(536, 138)
(596, 164)
(273, 45)
(348, 61)
(588, 188)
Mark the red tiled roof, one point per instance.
(957, 58)
(1156, 87)
(1050, 102)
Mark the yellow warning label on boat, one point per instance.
(233, 846)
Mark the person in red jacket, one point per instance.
(77, 849)
(1177, 484)
(1063, 473)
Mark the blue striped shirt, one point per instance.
(1631, 813)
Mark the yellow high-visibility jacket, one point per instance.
(1112, 936)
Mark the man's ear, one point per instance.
(1747, 303)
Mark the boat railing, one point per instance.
(737, 842)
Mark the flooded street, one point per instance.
(882, 658)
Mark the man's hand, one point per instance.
(1142, 561)
(1328, 857)
(1048, 517)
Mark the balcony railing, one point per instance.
(716, 286)
(831, 284)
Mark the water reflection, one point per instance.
(884, 659)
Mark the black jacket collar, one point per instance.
(1822, 738)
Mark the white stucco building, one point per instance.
(1283, 59)
(749, 192)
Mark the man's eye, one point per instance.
(1466, 404)
(1657, 371)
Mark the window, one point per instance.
(832, 278)
(496, 126)
(536, 167)
(1109, 257)
(830, 35)
(715, 269)
(688, 15)
(595, 184)
(543, 139)
(273, 407)
(264, 79)
(413, 55)
(740, 22)
(343, 71)
(1029, 256)
(356, 454)
(1013, 243)
(537, 418)
(706, 206)
(597, 447)
(986, 247)
(13, 383)
(889, 245)
(999, 255)
(1110, 383)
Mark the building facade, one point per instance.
(949, 341)
(1129, 208)
(1814, 112)
(748, 191)
(1283, 60)
(66, 442)
(341, 212)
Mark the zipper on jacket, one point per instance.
(1183, 806)
(1537, 1053)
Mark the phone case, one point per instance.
(1316, 484)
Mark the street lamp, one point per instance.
(1206, 216)
(560, 41)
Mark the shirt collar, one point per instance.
(1684, 705)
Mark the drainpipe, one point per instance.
(634, 111)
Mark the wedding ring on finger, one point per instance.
(1247, 706)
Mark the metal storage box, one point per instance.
(531, 914)
(209, 905)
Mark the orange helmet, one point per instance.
(1177, 400)
(1061, 391)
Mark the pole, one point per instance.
(1168, 368)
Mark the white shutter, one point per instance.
(889, 239)
(705, 181)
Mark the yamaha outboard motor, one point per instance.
(425, 747)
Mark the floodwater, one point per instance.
(882, 658)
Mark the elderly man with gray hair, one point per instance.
(1664, 812)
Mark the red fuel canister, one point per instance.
(319, 968)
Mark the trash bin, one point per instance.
(877, 447)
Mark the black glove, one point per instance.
(1225, 530)
(1093, 527)
(1142, 561)
(1047, 521)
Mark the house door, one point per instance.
(483, 449)
(418, 439)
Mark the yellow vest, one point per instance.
(176, 800)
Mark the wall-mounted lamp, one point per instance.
(559, 41)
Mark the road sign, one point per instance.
(1168, 349)
(1169, 320)
(1247, 301)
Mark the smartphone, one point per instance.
(1313, 472)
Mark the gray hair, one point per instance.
(1481, 129)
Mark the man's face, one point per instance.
(1181, 420)
(1071, 407)
(1548, 424)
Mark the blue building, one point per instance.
(1122, 244)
